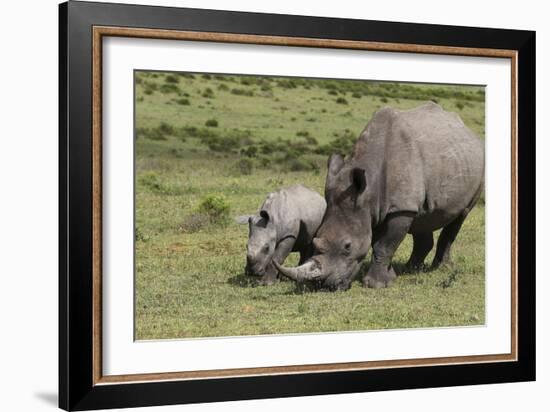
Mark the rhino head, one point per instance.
(262, 240)
(344, 237)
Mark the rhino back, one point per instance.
(295, 209)
(427, 161)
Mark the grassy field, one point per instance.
(210, 147)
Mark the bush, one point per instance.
(332, 92)
(384, 99)
(183, 101)
(242, 92)
(250, 151)
(302, 133)
(154, 183)
(152, 134)
(356, 95)
(245, 166)
(223, 87)
(297, 164)
(341, 100)
(211, 123)
(206, 76)
(208, 93)
(459, 105)
(171, 79)
(342, 144)
(166, 128)
(287, 83)
(216, 208)
(169, 88)
(195, 222)
(139, 236)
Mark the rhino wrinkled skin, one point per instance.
(413, 171)
(287, 222)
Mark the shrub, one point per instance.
(341, 100)
(208, 93)
(151, 181)
(302, 133)
(250, 151)
(287, 83)
(166, 128)
(357, 95)
(171, 79)
(216, 208)
(223, 87)
(195, 222)
(177, 152)
(206, 76)
(169, 88)
(384, 99)
(296, 164)
(211, 123)
(152, 134)
(183, 101)
(459, 105)
(342, 144)
(311, 140)
(242, 92)
(139, 236)
(332, 92)
(187, 75)
(245, 166)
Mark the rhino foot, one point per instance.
(378, 277)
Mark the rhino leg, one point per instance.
(281, 252)
(446, 239)
(422, 245)
(381, 273)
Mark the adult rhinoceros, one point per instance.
(413, 171)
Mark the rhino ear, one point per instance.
(335, 163)
(359, 179)
(264, 215)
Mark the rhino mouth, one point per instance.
(254, 271)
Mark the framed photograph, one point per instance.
(256, 206)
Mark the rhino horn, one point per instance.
(311, 270)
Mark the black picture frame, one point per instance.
(77, 390)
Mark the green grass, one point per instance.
(270, 134)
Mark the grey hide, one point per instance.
(413, 171)
(287, 222)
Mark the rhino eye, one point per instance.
(265, 249)
(347, 247)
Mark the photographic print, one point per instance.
(287, 205)
(256, 206)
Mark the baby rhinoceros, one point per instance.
(287, 222)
